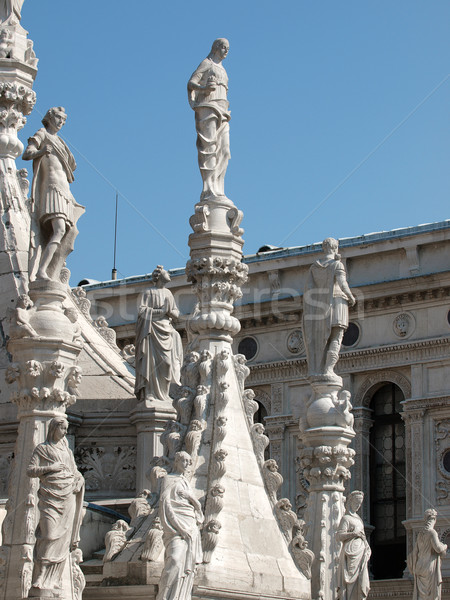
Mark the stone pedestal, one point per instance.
(150, 423)
(46, 378)
(216, 272)
(325, 459)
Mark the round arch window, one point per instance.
(248, 347)
(351, 336)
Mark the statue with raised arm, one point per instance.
(10, 10)
(180, 514)
(425, 560)
(159, 352)
(60, 507)
(55, 211)
(207, 92)
(353, 572)
(325, 311)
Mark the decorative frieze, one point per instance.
(382, 357)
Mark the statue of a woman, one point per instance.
(207, 92)
(60, 508)
(353, 573)
(55, 211)
(325, 310)
(180, 514)
(159, 352)
(425, 560)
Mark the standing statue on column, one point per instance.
(353, 572)
(60, 507)
(207, 92)
(325, 311)
(180, 514)
(55, 211)
(425, 560)
(159, 352)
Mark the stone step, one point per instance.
(92, 567)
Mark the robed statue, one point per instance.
(180, 514)
(353, 571)
(60, 507)
(425, 560)
(207, 92)
(325, 311)
(159, 352)
(54, 209)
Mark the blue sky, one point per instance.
(340, 118)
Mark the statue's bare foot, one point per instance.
(42, 275)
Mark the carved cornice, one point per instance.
(280, 311)
(354, 361)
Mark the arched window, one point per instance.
(260, 416)
(388, 486)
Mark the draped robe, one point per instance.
(353, 573)
(60, 507)
(159, 350)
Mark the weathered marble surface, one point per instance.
(325, 311)
(54, 209)
(159, 352)
(180, 514)
(425, 560)
(60, 506)
(353, 572)
(207, 92)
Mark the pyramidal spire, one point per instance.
(223, 489)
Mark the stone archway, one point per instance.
(373, 382)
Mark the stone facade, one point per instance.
(397, 345)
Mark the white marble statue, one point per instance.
(10, 10)
(140, 508)
(115, 540)
(60, 507)
(159, 353)
(180, 514)
(325, 310)
(54, 209)
(353, 573)
(207, 92)
(425, 560)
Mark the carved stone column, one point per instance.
(361, 471)
(17, 99)
(275, 428)
(46, 377)
(414, 435)
(325, 459)
(150, 423)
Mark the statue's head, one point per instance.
(55, 116)
(430, 517)
(182, 460)
(160, 275)
(355, 500)
(24, 301)
(330, 245)
(220, 48)
(57, 429)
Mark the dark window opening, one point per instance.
(388, 489)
